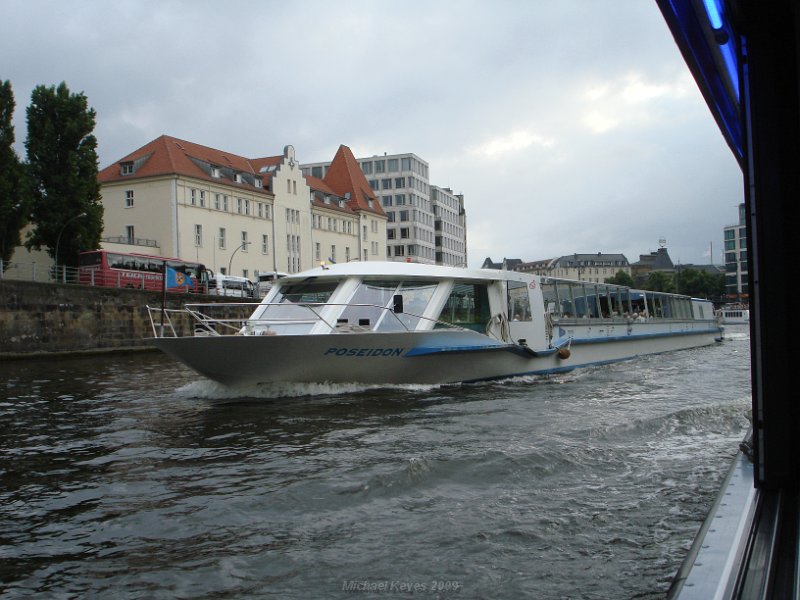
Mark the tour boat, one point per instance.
(408, 323)
(734, 314)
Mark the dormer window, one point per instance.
(215, 172)
(327, 199)
(258, 182)
(126, 168)
(237, 177)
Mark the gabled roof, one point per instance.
(345, 177)
(320, 189)
(171, 156)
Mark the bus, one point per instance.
(141, 271)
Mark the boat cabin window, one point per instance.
(467, 306)
(295, 307)
(372, 304)
(519, 304)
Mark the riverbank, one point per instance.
(47, 319)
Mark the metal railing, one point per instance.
(22, 271)
(19, 271)
(206, 324)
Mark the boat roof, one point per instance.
(387, 269)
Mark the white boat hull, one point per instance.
(407, 358)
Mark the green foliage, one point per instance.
(13, 195)
(700, 284)
(62, 160)
(658, 281)
(621, 278)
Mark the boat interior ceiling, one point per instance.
(744, 55)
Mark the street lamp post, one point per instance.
(58, 239)
(230, 262)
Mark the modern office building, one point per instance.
(736, 276)
(425, 223)
(450, 225)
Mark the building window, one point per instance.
(217, 201)
(264, 244)
(392, 164)
(244, 241)
(366, 167)
(202, 198)
(260, 210)
(239, 205)
(198, 235)
(317, 251)
(128, 198)
(129, 234)
(347, 253)
(386, 184)
(222, 238)
(225, 203)
(390, 234)
(399, 182)
(380, 166)
(333, 253)
(247, 207)
(288, 186)
(126, 168)
(193, 197)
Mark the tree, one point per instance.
(13, 205)
(658, 281)
(62, 162)
(621, 278)
(700, 284)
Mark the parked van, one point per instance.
(265, 280)
(230, 285)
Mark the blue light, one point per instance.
(714, 12)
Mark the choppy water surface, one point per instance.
(128, 477)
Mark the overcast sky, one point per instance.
(569, 126)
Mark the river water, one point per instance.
(128, 477)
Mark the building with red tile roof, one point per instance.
(235, 214)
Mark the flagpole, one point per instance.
(163, 298)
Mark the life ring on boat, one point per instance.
(563, 353)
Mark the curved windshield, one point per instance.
(372, 304)
(295, 307)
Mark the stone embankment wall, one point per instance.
(44, 318)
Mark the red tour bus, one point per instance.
(142, 271)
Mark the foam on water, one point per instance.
(211, 390)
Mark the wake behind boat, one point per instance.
(397, 323)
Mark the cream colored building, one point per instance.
(235, 215)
